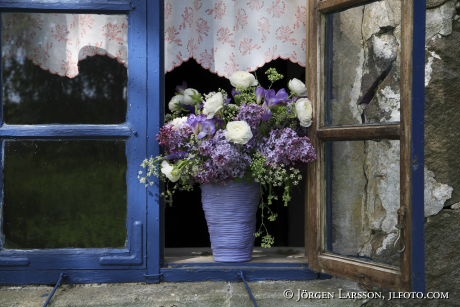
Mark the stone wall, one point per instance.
(365, 89)
(442, 92)
(442, 130)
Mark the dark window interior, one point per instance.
(185, 212)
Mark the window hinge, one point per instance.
(400, 229)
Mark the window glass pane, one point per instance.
(363, 198)
(362, 65)
(51, 75)
(64, 194)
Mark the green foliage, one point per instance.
(229, 112)
(273, 75)
(245, 96)
(271, 178)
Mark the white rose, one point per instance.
(304, 111)
(178, 122)
(175, 102)
(190, 96)
(242, 80)
(213, 104)
(169, 171)
(297, 87)
(238, 132)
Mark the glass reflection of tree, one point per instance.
(32, 95)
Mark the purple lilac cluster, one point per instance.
(222, 160)
(174, 140)
(253, 114)
(286, 147)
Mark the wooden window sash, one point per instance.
(328, 6)
(367, 273)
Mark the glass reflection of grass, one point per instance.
(65, 194)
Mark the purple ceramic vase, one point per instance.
(230, 210)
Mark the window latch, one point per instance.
(400, 229)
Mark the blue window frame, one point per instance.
(136, 260)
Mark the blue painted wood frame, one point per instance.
(69, 5)
(418, 143)
(127, 264)
(154, 115)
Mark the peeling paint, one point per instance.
(390, 103)
(428, 66)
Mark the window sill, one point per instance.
(260, 255)
(197, 264)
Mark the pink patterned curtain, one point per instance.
(225, 36)
(221, 35)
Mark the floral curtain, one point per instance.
(225, 36)
(222, 36)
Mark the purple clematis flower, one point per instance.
(201, 125)
(260, 93)
(207, 128)
(273, 98)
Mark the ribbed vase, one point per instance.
(230, 210)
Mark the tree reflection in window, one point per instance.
(32, 95)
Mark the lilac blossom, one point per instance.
(253, 114)
(285, 147)
(174, 140)
(223, 160)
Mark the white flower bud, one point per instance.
(178, 122)
(175, 102)
(297, 87)
(242, 80)
(190, 96)
(169, 171)
(213, 104)
(238, 132)
(304, 111)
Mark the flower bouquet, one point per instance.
(252, 134)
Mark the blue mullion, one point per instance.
(154, 118)
(2, 194)
(73, 6)
(66, 131)
(1, 79)
(418, 117)
(141, 80)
